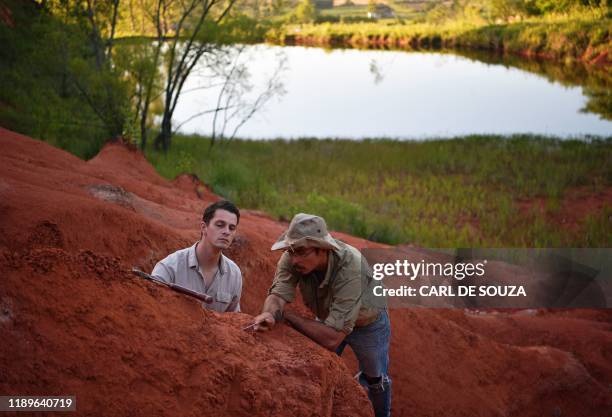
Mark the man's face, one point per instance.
(305, 260)
(221, 229)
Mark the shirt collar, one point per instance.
(192, 260)
(331, 262)
(222, 264)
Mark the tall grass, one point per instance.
(440, 193)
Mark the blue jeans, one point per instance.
(371, 346)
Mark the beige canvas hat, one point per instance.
(306, 230)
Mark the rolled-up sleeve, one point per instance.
(346, 300)
(285, 281)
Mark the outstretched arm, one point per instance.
(324, 335)
(271, 313)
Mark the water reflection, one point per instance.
(365, 93)
(376, 71)
(596, 81)
(228, 79)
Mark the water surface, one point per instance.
(356, 94)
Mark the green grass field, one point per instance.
(440, 193)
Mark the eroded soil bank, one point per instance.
(73, 320)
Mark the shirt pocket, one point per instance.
(223, 297)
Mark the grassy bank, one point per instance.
(584, 37)
(464, 192)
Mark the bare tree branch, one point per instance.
(202, 113)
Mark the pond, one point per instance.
(345, 93)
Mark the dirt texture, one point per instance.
(74, 321)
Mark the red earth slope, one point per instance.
(74, 321)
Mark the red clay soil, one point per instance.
(74, 321)
(573, 209)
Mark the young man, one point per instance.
(336, 284)
(202, 267)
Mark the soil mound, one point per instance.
(74, 321)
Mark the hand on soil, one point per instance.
(263, 322)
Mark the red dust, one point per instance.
(572, 211)
(74, 321)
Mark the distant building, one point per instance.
(381, 11)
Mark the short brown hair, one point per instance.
(209, 212)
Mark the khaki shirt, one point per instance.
(181, 268)
(342, 300)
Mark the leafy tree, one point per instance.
(53, 88)
(101, 88)
(507, 8)
(188, 35)
(276, 6)
(546, 6)
(304, 12)
(139, 62)
(371, 6)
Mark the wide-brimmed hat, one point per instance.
(306, 230)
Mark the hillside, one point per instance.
(75, 321)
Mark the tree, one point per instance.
(545, 6)
(151, 74)
(504, 9)
(232, 108)
(101, 88)
(45, 53)
(371, 6)
(195, 31)
(228, 73)
(139, 61)
(305, 12)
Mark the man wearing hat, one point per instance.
(336, 285)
